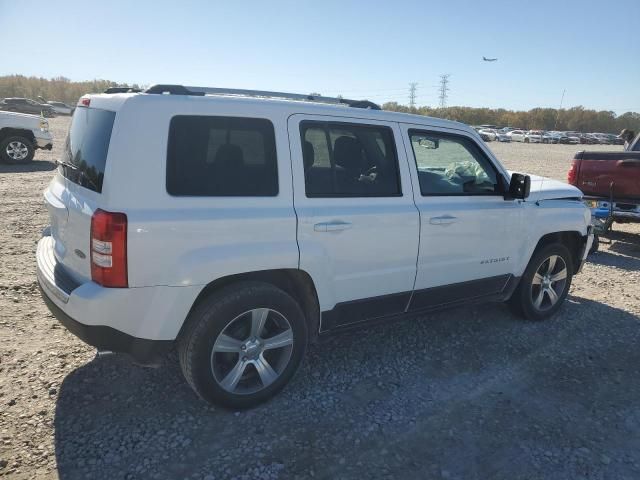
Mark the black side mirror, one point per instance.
(519, 187)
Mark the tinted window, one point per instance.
(451, 165)
(221, 156)
(343, 159)
(85, 150)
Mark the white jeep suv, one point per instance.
(239, 226)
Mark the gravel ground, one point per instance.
(470, 393)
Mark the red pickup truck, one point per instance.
(608, 178)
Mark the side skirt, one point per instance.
(348, 315)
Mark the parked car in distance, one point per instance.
(616, 140)
(516, 135)
(483, 135)
(589, 139)
(20, 135)
(61, 108)
(496, 135)
(253, 222)
(573, 137)
(533, 136)
(26, 105)
(490, 134)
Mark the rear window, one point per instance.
(221, 156)
(85, 151)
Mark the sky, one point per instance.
(359, 49)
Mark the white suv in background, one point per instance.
(238, 226)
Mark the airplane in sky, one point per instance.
(489, 59)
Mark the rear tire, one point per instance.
(243, 344)
(545, 283)
(16, 150)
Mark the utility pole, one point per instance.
(555, 127)
(444, 88)
(412, 94)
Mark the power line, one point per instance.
(444, 88)
(412, 94)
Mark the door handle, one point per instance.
(443, 220)
(332, 226)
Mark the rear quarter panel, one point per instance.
(182, 241)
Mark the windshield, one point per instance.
(85, 152)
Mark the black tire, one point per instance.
(214, 315)
(6, 148)
(526, 140)
(595, 245)
(522, 301)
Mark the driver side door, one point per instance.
(468, 232)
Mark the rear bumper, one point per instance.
(142, 351)
(141, 322)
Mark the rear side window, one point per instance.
(221, 156)
(85, 151)
(349, 160)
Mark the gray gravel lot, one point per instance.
(470, 393)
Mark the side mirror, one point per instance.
(519, 187)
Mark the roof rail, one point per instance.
(201, 91)
(122, 90)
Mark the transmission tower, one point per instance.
(412, 94)
(444, 88)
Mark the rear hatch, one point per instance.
(75, 193)
(602, 174)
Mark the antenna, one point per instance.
(555, 126)
(444, 88)
(412, 94)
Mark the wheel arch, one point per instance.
(296, 283)
(572, 239)
(21, 132)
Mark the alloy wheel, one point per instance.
(549, 283)
(252, 351)
(17, 150)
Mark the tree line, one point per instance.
(60, 89)
(573, 119)
(577, 119)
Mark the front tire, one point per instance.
(243, 344)
(16, 150)
(545, 283)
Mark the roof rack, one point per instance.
(122, 90)
(201, 91)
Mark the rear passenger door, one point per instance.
(358, 226)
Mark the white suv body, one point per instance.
(368, 215)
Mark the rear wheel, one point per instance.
(243, 344)
(16, 150)
(545, 283)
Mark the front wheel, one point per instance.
(16, 150)
(545, 283)
(243, 344)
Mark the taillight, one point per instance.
(572, 174)
(84, 102)
(109, 249)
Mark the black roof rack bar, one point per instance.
(122, 90)
(200, 91)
